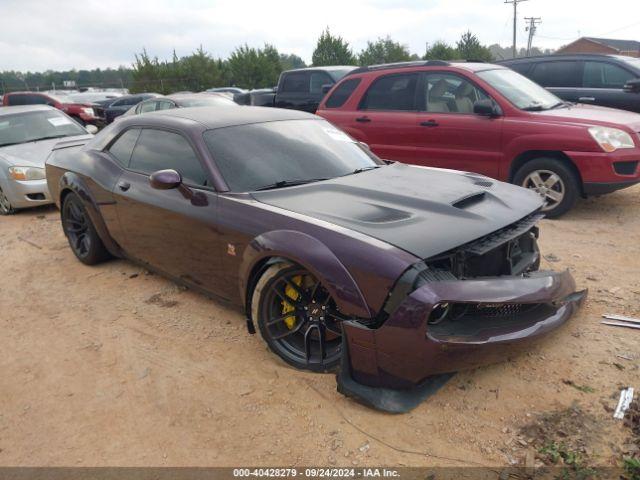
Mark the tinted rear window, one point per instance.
(392, 92)
(342, 93)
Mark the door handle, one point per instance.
(124, 186)
(363, 119)
(587, 99)
(429, 123)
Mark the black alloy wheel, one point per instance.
(298, 318)
(83, 238)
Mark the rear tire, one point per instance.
(5, 205)
(80, 232)
(553, 180)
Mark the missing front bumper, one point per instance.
(396, 366)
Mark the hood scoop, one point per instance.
(469, 200)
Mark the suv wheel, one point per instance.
(5, 205)
(553, 181)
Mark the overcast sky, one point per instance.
(38, 35)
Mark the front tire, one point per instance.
(80, 232)
(298, 318)
(5, 205)
(554, 181)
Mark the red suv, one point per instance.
(488, 119)
(83, 113)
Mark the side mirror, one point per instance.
(92, 129)
(486, 108)
(165, 179)
(632, 86)
(326, 87)
(170, 179)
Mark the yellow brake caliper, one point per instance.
(291, 292)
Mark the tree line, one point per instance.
(248, 67)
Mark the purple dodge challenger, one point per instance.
(395, 275)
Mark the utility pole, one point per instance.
(531, 28)
(515, 20)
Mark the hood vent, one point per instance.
(468, 200)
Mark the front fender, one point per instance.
(75, 183)
(314, 256)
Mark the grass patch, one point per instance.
(574, 463)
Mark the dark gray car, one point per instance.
(604, 80)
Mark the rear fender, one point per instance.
(312, 255)
(73, 182)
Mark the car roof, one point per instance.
(467, 65)
(25, 109)
(213, 117)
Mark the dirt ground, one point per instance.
(110, 365)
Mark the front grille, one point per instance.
(498, 310)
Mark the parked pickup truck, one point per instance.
(300, 89)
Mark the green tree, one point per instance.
(383, 50)
(440, 51)
(253, 67)
(291, 61)
(332, 50)
(470, 48)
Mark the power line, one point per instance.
(515, 20)
(531, 28)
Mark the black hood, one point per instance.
(425, 211)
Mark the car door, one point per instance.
(294, 91)
(161, 227)
(603, 84)
(561, 77)
(386, 117)
(451, 134)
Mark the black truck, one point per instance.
(300, 89)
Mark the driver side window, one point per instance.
(160, 150)
(448, 93)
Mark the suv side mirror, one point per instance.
(486, 108)
(92, 129)
(165, 179)
(632, 86)
(326, 87)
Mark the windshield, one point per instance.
(251, 157)
(519, 90)
(32, 126)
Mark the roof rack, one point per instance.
(388, 66)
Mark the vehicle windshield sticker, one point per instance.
(58, 121)
(338, 135)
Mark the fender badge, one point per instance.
(231, 249)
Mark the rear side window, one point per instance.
(296, 82)
(520, 67)
(392, 92)
(604, 75)
(557, 74)
(15, 100)
(122, 148)
(342, 93)
(159, 150)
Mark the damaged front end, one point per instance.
(470, 306)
